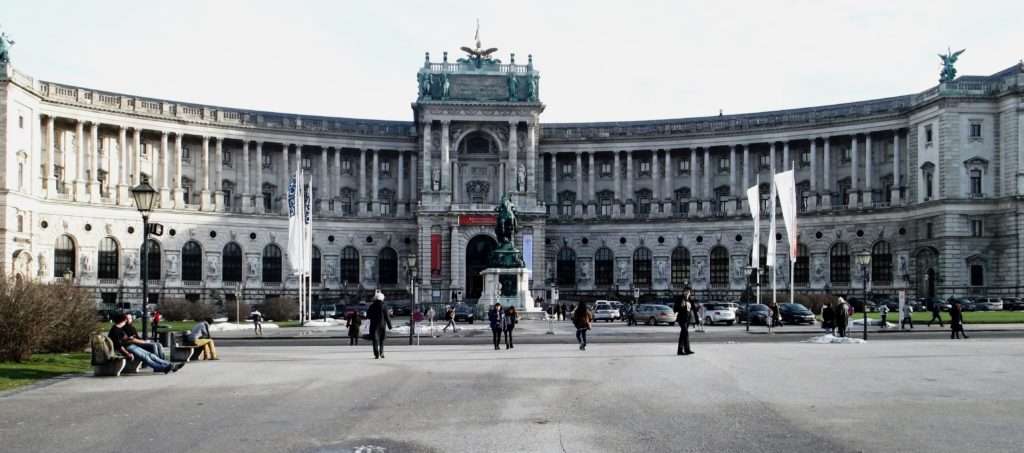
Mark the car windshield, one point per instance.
(717, 306)
(795, 307)
(758, 307)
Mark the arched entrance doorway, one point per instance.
(477, 252)
(926, 261)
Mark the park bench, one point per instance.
(108, 362)
(182, 351)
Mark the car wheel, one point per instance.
(651, 322)
(708, 321)
(728, 323)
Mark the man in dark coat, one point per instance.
(682, 309)
(497, 319)
(936, 314)
(828, 318)
(956, 322)
(378, 316)
(842, 316)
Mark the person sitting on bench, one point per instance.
(200, 336)
(134, 338)
(132, 351)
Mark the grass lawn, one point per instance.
(41, 366)
(970, 317)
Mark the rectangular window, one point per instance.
(307, 163)
(723, 165)
(975, 129)
(975, 183)
(606, 208)
(764, 160)
(144, 178)
(976, 228)
(385, 168)
(928, 134)
(144, 149)
(928, 230)
(266, 161)
(645, 167)
(567, 170)
(977, 275)
(227, 158)
(346, 166)
(227, 198)
(684, 166)
(606, 169)
(845, 155)
(805, 158)
(186, 154)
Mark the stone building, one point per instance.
(928, 183)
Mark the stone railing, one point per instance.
(219, 115)
(469, 68)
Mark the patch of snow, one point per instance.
(832, 339)
(228, 326)
(435, 330)
(322, 323)
(222, 319)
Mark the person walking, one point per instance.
(936, 314)
(449, 315)
(828, 319)
(956, 322)
(883, 311)
(511, 319)
(431, 314)
(682, 309)
(582, 319)
(631, 314)
(379, 319)
(353, 322)
(695, 318)
(908, 312)
(701, 315)
(257, 322)
(842, 316)
(157, 317)
(497, 319)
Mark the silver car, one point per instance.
(988, 304)
(653, 314)
(604, 312)
(718, 312)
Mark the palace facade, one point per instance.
(929, 184)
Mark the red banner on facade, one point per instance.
(435, 255)
(478, 219)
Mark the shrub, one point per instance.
(184, 310)
(43, 317)
(281, 309)
(74, 320)
(234, 306)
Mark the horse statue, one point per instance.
(508, 223)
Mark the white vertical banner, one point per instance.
(295, 216)
(771, 233)
(528, 251)
(786, 184)
(754, 200)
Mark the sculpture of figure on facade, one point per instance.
(5, 48)
(211, 265)
(513, 86)
(172, 264)
(368, 271)
(781, 278)
(426, 85)
(42, 265)
(445, 85)
(521, 178)
(948, 72)
(435, 183)
(550, 270)
(903, 265)
(623, 271)
(130, 263)
(698, 264)
(86, 265)
(254, 266)
(739, 271)
(331, 270)
(531, 88)
(662, 270)
(819, 268)
(584, 271)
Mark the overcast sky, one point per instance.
(599, 60)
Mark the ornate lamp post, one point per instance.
(145, 201)
(412, 276)
(864, 262)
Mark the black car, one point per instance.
(796, 314)
(756, 314)
(400, 309)
(966, 304)
(859, 305)
(1012, 303)
(359, 308)
(464, 313)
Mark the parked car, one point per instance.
(400, 308)
(966, 304)
(106, 314)
(324, 311)
(1013, 303)
(796, 314)
(464, 313)
(757, 314)
(356, 308)
(988, 304)
(603, 311)
(718, 312)
(653, 314)
(859, 304)
(928, 302)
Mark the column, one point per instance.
(732, 172)
(362, 183)
(94, 160)
(746, 168)
(868, 196)
(707, 174)
(655, 172)
(179, 195)
(814, 165)
(336, 176)
(786, 163)
(400, 177)
(617, 184)
(669, 192)
(554, 179)
(165, 158)
(445, 158)
(694, 189)
(412, 179)
(247, 205)
(629, 184)
(531, 160)
(897, 182)
(286, 173)
(257, 201)
(427, 153)
(826, 169)
(80, 193)
(123, 198)
(324, 191)
(580, 199)
(513, 157)
(376, 182)
(772, 156)
(51, 145)
(591, 194)
(204, 175)
(218, 177)
(137, 159)
(853, 171)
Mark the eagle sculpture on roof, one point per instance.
(479, 54)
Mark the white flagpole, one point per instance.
(793, 247)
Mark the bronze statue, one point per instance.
(513, 86)
(478, 55)
(508, 222)
(5, 48)
(948, 72)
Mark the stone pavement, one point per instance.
(914, 395)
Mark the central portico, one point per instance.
(479, 120)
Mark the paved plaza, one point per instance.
(914, 395)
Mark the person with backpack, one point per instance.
(582, 319)
(257, 322)
(511, 319)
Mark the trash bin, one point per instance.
(164, 336)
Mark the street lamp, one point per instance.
(410, 270)
(864, 262)
(145, 201)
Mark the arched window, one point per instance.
(152, 262)
(802, 267)
(316, 266)
(604, 267)
(64, 257)
(719, 267)
(839, 263)
(387, 266)
(642, 267)
(566, 268)
(271, 264)
(232, 262)
(192, 262)
(881, 263)
(350, 265)
(680, 266)
(107, 259)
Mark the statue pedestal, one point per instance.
(518, 296)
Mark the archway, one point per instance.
(926, 260)
(477, 252)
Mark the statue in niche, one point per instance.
(130, 262)
(948, 72)
(698, 264)
(623, 271)
(369, 271)
(254, 266)
(819, 268)
(513, 86)
(435, 183)
(172, 264)
(86, 265)
(521, 178)
(662, 271)
(331, 269)
(211, 265)
(42, 265)
(445, 85)
(903, 265)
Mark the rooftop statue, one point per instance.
(513, 86)
(948, 72)
(5, 48)
(478, 55)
